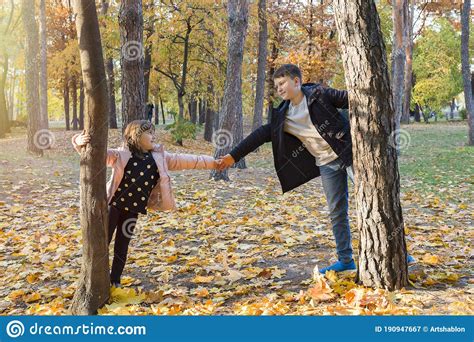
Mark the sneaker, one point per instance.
(339, 267)
(410, 259)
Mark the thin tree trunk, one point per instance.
(231, 130)
(32, 78)
(408, 82)
(66, 99)
(146, 70)
(109, 63)
(400, 14)
(109, 69)
(94, 282)
(81, 105)
(75, 119)
(261, 64)
(44, 68)
(4, 122)
(162, 111)
(382, 248)
(466, 68)
(202, 110)
(133, 82)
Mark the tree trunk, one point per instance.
(399, 15)
(66, 99)
(81, 105)
(43, 70)
(231, 131)
(94, 281)
(466, 68)
(32, 78)
(146, 71)
(4, 122)
(408, 82)
(193, 109)
(382, 248)
(162, 111)
(109, 69)
(111, 92)
(202, 111)
(261, 64)
(209, 123)
(133, 82)
(75, 119)
(417, 113)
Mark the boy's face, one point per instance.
(287, 88)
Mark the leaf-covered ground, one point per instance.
(240, 247)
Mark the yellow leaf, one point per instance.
(32, 297)
(126, 296)
(203, 280)
(32, 278)
(15, 294)
(431, 259)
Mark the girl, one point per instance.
(139, 181)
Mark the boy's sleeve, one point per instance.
(181, 161)
(338, 98)
(254, 140)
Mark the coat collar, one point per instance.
(310, 90)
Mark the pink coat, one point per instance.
(161, 197)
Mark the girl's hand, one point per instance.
(83, 139)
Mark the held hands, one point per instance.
(83, 139)
(225, 162)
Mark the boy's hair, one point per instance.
(132, 134)
(289, 70)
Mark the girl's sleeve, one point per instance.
(112, 155)
(180, 161)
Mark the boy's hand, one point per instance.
(225, 162)
(83, 139)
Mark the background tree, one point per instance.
(466, 67)
(132, 59)
(32, 78)
(231, 130)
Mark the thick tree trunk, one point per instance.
(466, 68)
(400, 16)
(261, 64)
(382, 248)
(94, 281)
(32, 78)
(230, 132)
(133, 82)
(75, 119)
(43, 70)
(408, 82)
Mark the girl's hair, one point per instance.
(132, 134)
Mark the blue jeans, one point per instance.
(334, 178)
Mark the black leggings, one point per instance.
(123, 222)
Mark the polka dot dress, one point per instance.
(140, 177)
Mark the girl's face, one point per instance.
(146, 141)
